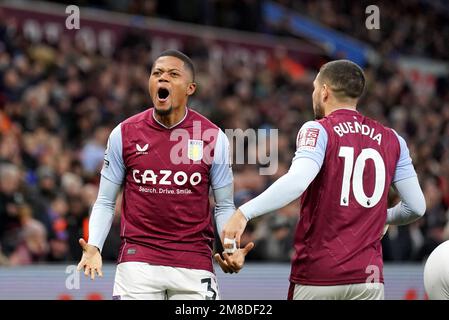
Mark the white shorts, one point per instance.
(143, 281)
(359, 291)
(436, 273)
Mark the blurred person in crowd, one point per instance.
(12, 86)
(272, 231)
(92, 153)
(276, 244)
(72, 184)
(11, 198)
(33, 246)
(40, 196)
(249, 179)
(77, 220)
(89, 194)
(47, 183)
(58, 235)
(10, 147)
(397, 244)
(436, 218)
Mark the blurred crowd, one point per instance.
(409, 27)
(58, 104)
(235, 14)
(422, 31)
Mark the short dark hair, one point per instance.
(181, 56)
(345, 78)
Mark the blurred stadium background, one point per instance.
(62, 91)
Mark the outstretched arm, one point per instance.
(287, 188)
(310, 151)
(283, 191)
(99, 225)
(102, 214)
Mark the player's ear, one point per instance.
(325, 92)
(191, 88)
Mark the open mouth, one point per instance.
(163, 94)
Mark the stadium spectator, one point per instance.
(33, 245)
(11, 199)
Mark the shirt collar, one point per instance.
(176, 124)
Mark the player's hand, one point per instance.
(234, 262)
(233, 230)
(91, 260)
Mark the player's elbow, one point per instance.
(422, 209)
(103, 204)
(419, 207)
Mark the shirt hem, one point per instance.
(314, 282)
(168, 264)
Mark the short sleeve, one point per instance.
(113, 166)
(404, 167)
(221, 170)
(311, 142)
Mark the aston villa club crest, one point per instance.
(195, 150)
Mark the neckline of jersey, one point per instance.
(176, 124)
(344, 110)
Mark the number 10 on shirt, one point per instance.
(356, 170)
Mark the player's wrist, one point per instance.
(93, 248)
(240, 212)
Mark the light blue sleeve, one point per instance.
(404, 167)
(412, 205)
(113, 166)
(224, 206)
(284, 190)
(221, 170)
(311, 142)
(102, 215)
